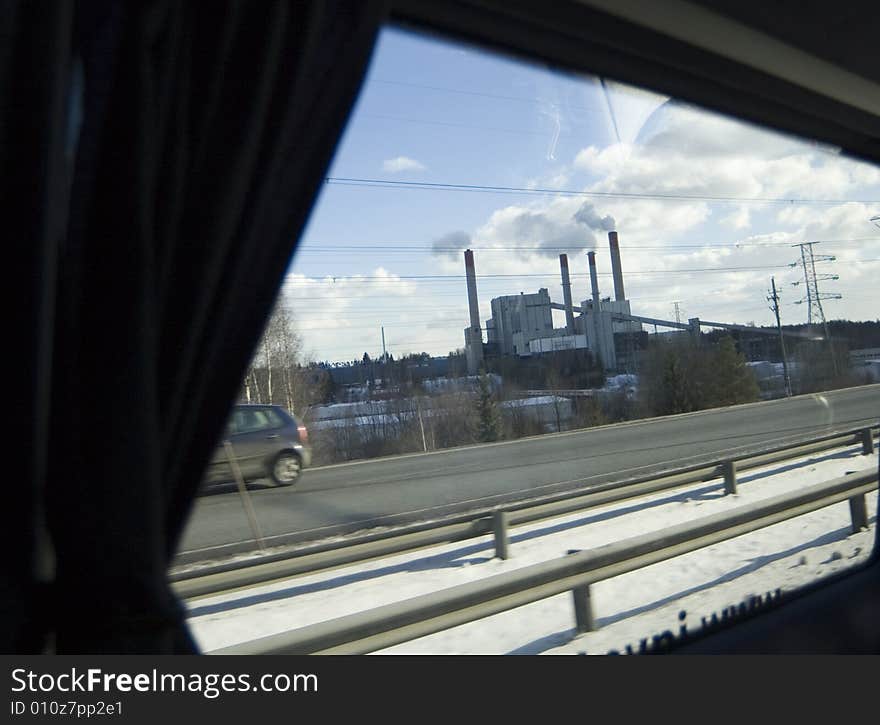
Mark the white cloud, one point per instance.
(848, 235)
(740, 219)
(690, 152)
(651, 234)
(848, 220)
(663, 241)
(402, 163)
(340, 318)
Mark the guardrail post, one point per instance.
(867, 442)
(858, 511)
(583, 609)
(584, 619)
(728, 469)
(499, 528)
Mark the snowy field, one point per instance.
(627, 607)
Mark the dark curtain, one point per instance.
(167, 156)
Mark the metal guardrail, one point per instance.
(230, 576)
(393, 624)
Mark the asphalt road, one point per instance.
(350, 497)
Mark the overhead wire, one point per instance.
(479, 94)
(316, 246)
(445, 278)
(484, 188)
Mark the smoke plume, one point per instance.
(587, 216)
(451, 245)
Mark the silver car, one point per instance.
(266, 442)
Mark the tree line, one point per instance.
(675, 375)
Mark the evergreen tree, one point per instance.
(326, 388)
(675, 393)
(681, 377)
(734, 382)
(488, 417)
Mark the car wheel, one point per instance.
(286, 469)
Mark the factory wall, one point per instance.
(557, 343)
(599, 328)
(517, 319)
(522, 325)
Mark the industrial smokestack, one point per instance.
(473, 336)
(594, 280)
(616, 268)
(598, 342)
(471, 274)
(566, 293)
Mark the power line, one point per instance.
(448, 124)
(478, 188)
(362, 311)
(482, 94)
(327, 280)
(370, 247)
(548, 275)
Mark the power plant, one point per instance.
(522, 325)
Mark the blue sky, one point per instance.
(685, 190)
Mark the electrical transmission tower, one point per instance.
(814, 296)
(811, 280)
(677, 306)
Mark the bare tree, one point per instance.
(554, 384)
(275, 374)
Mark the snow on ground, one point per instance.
(628, 607)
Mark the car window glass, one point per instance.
(273, 419)
(251, 420)
(234, 424)
(504, 296)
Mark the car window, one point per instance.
(249, 420)
(272, 418)
(519, 283)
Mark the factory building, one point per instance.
(522, 325)
(519, 319)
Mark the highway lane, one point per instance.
(351, 497)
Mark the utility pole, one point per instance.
(384, 361)
(774, 298)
